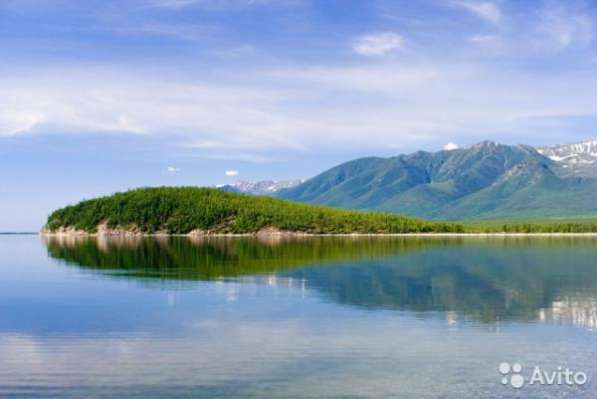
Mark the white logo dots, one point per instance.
(516, 380)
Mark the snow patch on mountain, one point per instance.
(265, 187)
(584, 153)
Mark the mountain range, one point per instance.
(264, 187)
(579, 159)
(486, 180)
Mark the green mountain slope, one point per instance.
(486, 180)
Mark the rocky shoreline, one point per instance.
(105, 231)
(271, 232)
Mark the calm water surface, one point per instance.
(306, 318)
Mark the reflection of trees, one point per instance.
(208, 258)
(485, 279)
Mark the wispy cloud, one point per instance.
(13, 122)
(172, 169)
(177, 3)
(485, 39)
(221, 4)
(549, 29)
(332, 107)
(370, 78)
(494, 44)
(231, 173)
(236, 155)
(486, 10)
(378, 43)
(562, 25)
(298, 110)
(179, 31)
(229, 110)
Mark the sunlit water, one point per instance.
(307, 318)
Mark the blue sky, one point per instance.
(103, 95)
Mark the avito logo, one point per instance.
(512, 375)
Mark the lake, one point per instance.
(297, 318)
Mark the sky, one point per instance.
(100, 96)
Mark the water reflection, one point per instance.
(484, 279)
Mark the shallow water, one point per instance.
(301, 318)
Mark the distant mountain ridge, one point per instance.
(264, 187)
(579, 158)
(486, 180)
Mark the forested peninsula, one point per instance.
(209, 211)
(193, 210)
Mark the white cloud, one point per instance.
(181, 31)
(92, 102)
(562, 26)
(555, 27)
(486, 40)
(17, 121)
(378, 44)
(176, 3)
(451, 146)
(486, 10)
(173, 169)
(220, 4)
(231, 173)
(492, 44)
(258, 115)
(372, 79)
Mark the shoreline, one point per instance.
(296, 234)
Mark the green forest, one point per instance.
(180, 210)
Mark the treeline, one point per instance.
(180, 210)
(538, 227)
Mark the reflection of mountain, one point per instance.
(579, 311)
(486, 280)
(483, 279)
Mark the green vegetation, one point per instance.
(180, 210)
(535, 226)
